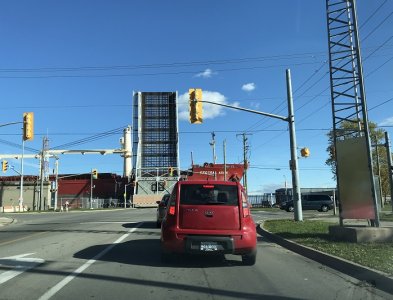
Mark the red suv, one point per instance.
(209, 217)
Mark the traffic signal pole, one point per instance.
(91, 189)
(21, 176)
(196, 118)
(294, 163)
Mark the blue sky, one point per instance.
(75, 64)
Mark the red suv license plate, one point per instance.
(209, 246)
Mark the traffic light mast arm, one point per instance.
(12, 123)
(249, 110)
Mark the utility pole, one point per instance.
(91, 189)
(293, 163)
(378, 171)
(56, 181)
(44, 166)
(390, 167)
(225, 159)
(42, 173)
(21, 175)
(213, 144)
(245, 162)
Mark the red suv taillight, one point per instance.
(246, 210)
(171, 210)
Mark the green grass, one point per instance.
(386, 217)
(386, 213)
(315, 234)
(387, 208)
(265, 209)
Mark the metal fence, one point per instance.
(85, 203)
(265, 200)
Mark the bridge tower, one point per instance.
(155, 145)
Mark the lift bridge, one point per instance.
(155, 145)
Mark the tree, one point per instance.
(348, 129)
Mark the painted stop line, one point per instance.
(19, 264)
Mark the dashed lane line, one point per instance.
(51, 292)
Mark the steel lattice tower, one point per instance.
(346, 76)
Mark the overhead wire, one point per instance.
(325, 104)
(166, 65)
(90, 139)
(18, 146)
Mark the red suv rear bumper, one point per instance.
(174, 240)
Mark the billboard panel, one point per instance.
(354, 179)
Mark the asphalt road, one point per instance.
(116, 255)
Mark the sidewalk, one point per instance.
(5, 221)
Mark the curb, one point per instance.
(378, 279)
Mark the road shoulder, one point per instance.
(379, 280)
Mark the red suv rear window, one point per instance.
(205, 194)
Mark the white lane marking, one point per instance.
(104, 222)
(51, 292)
(21, 263)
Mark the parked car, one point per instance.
(161, 209)
(318, 202)
(209, 217)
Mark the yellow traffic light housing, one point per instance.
(28, 126)
(4, 165)
(170, 171)
(196, 108)
(94, 173)
(305, 152)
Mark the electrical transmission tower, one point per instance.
(346, 81)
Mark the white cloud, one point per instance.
(248, 87)
(205, 74)
(387, 122)
(210, 111)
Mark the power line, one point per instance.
(380, 104)
(90, 139)
(15, 145)
(373, 14)
(378, 26)
(153, 74)
(167, 65)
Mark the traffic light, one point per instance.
(305, 152)
(170, 171)
(94, 172)
(4, 165)
(28, 126)
(196, 109)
